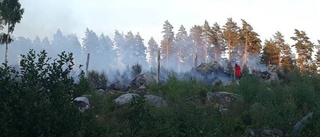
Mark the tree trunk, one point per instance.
(6, 55)
(206, 53)
(167, 56)
(158, 66)
(7, 42)
(87, 64)
(229, 48)
(244, 62)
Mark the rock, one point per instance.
(100, 92)
(155, 100)
(125, 98)
(221, 100)
(138, 81)
(298, 126)
(270, 74)
(82, 102)
(205, 69)
(115, 86)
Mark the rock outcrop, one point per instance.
(221, 100)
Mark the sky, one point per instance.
(43, 17)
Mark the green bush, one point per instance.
(98, 79)
(37, 101)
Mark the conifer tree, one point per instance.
(304, 49)
(208, 39)
(219, 42)
(153, 52)
(250, 40)
(196, 36)
(231, 35)
(182, 45)
(271, 52)
(167, 44)
(285, 59)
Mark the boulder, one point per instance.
(299, 125)
(125, 98)
(138, 81)
(82, 102)
(204, 69)
(156, 100)
(270, 74)
(221, 100)
(100, 92)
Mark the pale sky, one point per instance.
(44, 17)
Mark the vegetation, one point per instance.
(37, 96)
(36, 100)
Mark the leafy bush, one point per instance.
(37, 101)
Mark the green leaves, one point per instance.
(38, 98)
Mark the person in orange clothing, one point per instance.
(237, 70)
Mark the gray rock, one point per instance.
(82, 102)
(125, 98)
(156, 100)
(100, 92)
(298, 126)
(138, 81)
(221, 100)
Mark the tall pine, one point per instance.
(231, 34)
(219, 42)
(153, 53)
(167, 44)
(304, 49)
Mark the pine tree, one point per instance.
(108, 51)
(208, 39)
(128, 54)
(285, 59)
(270, 54)
(182, 46)
(219, 42)
(231, 34)
(197, 42)
(92, 46)
(250, 40)
(36, 44)
(91, 42)
(140, 51)
(153, 52)
(167, 44)
(304, 49)
(74, 46)
(120, 45)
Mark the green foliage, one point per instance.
(98, 79)
(37, 100)
(136, 69)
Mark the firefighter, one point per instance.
(237, 70)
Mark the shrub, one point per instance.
(136, 69)
(98, 79)
(38, 99)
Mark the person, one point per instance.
(237, 71)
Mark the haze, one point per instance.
(44, 17)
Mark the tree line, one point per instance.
(180, 51)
